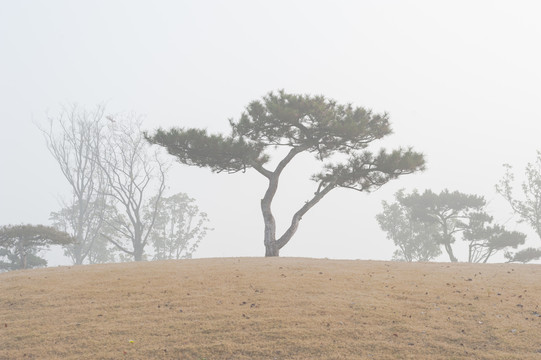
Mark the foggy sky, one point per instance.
(460, 80)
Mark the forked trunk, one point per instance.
(273, 245)
(447, 239)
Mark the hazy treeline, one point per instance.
(421, 224)
(118, 209)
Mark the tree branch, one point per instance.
(284, 239)
(120, 247)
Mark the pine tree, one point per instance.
(301, 124)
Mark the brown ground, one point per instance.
(280, 308)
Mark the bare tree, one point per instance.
(73, 138)
(101, 250)
(135, 173)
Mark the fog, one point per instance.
(460, 80)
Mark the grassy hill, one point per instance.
(279, 308)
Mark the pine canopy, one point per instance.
(302, 123)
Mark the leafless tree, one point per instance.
(135, 173)
(74, 140)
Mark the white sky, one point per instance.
(460, 79)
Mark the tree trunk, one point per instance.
(489, 254)
(138, 253)
(21, 252)
(138, 248)
(138, 245)
(78, 248)
(449, 250)
(271, 249)
(138, 256)
(447, 239)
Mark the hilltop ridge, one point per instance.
(272, 308)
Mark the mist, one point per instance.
(459, 81)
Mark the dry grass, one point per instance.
(282, 308)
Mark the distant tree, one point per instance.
(524, 256)
(485, 240)
(20, 245)
(178, 229)
(301, 124)
(413, 237)
(135, 173)
(74, 140)
(529, 208)
(449, 211)
(98, 248)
